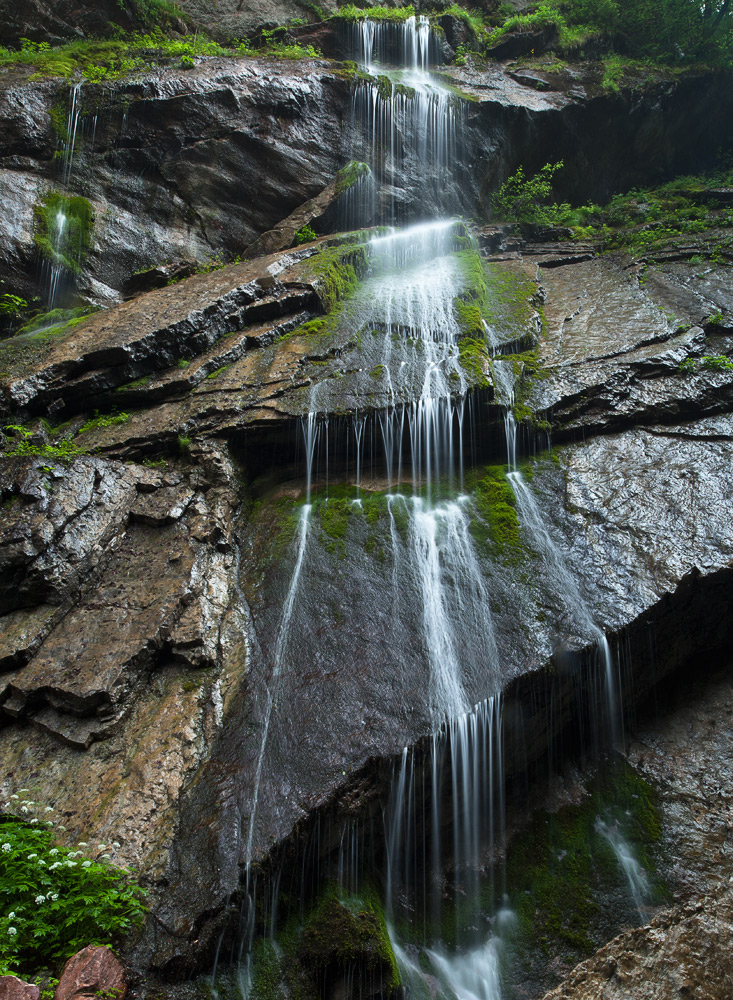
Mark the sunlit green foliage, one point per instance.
(54, 900)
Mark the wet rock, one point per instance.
(158, 277)
(686, 948)
(57, 22)
(182, 142)
(93, 972)
(345, 943)
(521, 42)
(313, 213)
(13, 988)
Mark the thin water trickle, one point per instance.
(635, 875)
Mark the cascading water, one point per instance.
(444, 822)
(635, 875)
(64, 237)
(405, 120)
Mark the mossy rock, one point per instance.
(349, 936)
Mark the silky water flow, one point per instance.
(445, 811)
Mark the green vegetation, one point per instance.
(713, 362)
(349, 175)
(638, 221)
(98, 61)
(21, 353)
(495, 296)
(349, 12)
(63, 229)
(12, 306)
(56, 900)
(497, 524)
(61, 447)
(305, 234)
(562, 870)
(341, 934)
(337, 271)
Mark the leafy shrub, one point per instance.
(55, 900)
(349, 12)
(525, 199)
(305, 235)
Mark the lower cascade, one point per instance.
(366, 560)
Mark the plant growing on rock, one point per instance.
(306, 234)
(63, 225)
(55, 900)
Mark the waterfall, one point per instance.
(60, 227)
(405, 120)
(444, 821)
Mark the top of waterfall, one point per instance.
(406, 44)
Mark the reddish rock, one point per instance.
(12, 988)
(92, 971)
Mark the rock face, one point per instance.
(189, 145)
(684, 950)
(153, 557)
(190, 575)
(92, 972)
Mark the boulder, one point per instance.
(13, 988)
(94, 971)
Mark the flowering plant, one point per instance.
(55, 900)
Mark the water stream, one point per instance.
(444, 821)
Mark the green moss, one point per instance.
(474, 358)
(62, 447)
(345, 932)
(337, 271)
(561, 868)
(349, 12)
(138, 383)
(509, 307)
(63, 229)
(497, 523)
(23, 353)
(350, 175)
(219, 371)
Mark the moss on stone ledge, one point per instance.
(565, 883)
(497, 523)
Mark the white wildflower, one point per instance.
(48, 809)
(32, 856)
(102, 847)
(86, 864)
(34, 821)
(82, 843)
(23, 790)
(40, 899)
(54, 866)
(54, 897)
(7, 847)
(12, 931)
(24, 809)
(41, 862)
(14, 796)
(71, 864)
(61, 826)
(11, 916)
(54, 851)
(115, 844)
